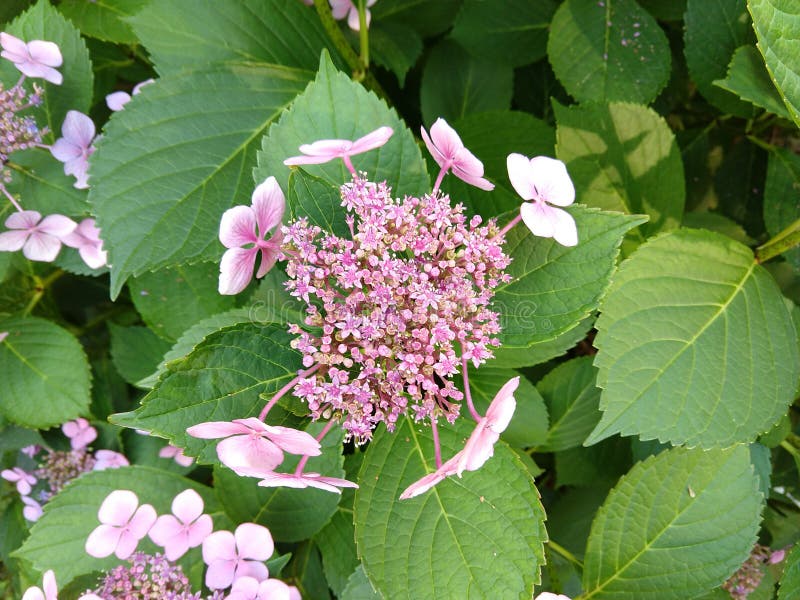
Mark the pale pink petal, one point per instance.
(93, 256)
(187, 506)
(374, 139)
(33, 510)
(142, 521)
(49, 585)
(551, 596)
(57, 225)
(254, 541)
(307, 160)
(78, 129)
(477, 181)
(220, 545)
(317, 480)
(552, 181)
(431, 479)
(294, 593)
(118, 508)
(565, 232)
(244, 588)
(353, 20)
(117, 100)
(41, 247)
(126, 545)
(220, 573)
(273, 589)
(467, 163)
(237, 227)
(138, 87)
(103, 541)
(33, 593)
(26, 219)
(520, 175)
(45, 53)
(500, 411)
(249, 452)
(268, 258)
(236, 270)
(251, 568)
(164, 529)
(108, 459)
(272, 479)
(14, 48)
(218, 429)
(329, 149)
(478, 449)
(293, 441)
(538, 217)
(340, 8)
(446, 140)
(176, 547)
(269, 204)
(200, 530)
(65, 151)
(11, 241)
(440, 158)
(72, 428)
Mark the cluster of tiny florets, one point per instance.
(749, 575)
(17, 132)
(60, 467)
(391, 312)
(149, 578)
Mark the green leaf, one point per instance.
(512, 32)
(156, 202)
(394, 46)
(11, 8)
(193, 288)
(748, 78)
(220, 380)
(477, 537)
(623, 157)
(291, 515)
(790, 580)
(58, 538)
(570, 514)
(514, 358)
(335, 107)
(704, 354)
(591, 467)
(677, 525)
(44, 372)
(136, 351)
(572, 400)
(103, 19)
(454, 84)
(39, 180)
(608, 51)
(180, 35)
(719, 223)
(337, 546)
(426, 18)
(319, 201)
(359, 588)
(43, 22)
(530, 311)
(777, 26)
(713, 32)
(305, 571)
(666, 10)
(492, 136)
(782, 196)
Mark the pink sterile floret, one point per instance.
(544, 181)
(342, 8)
(176, 454)
(249, 588)
(431, 479)
(449, 152)
(108, 459)
(303, 480)
(39, 239)
(74, 147)
(243, 230)
(37, 58)
(116, 101)
(33, 510)
(323, 151)
(86, 239)
(22, 478)
(185, 528)
(79, 432)
(50, 591)
(123, 524)
(240, 554)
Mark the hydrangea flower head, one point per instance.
(49, 590)
(230, 556)
(74, 147)
(40, 239)
(185, 528)
(37, 58)
(123, 524)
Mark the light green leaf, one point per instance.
(623, 157)
(181, 34)
(556, 287)
(222, 379)
(713, 32)
(135, 351)
(719, 223)
(454, 84)
(677, 525)
(319, 201)
(359, 588)
(512, 32)
(394, 46)
(58, 538)
(157, 203)
(514, 358)
(782, 196)
(478, 537)
(777, 26)
(704, 354)
(748, 78)
(608, 51)
(193, 288)
(790, 580)
(43, 22)
(39, 180)
(572, 400)
(103, 19)
(335, 107)
(44, 372)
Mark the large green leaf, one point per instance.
(335, 107)
(222, 379)
(541, 352)
(394, 46)
(512, 32)
(623, 157)
(188, 34)
(748, 78)
(790, 580)
(782, 196)
(171, 163)
(607, 51)
(136, 351)
(777, 25)
(44, 372)
(555, 287)
(104, 19)
(572, 400)
(677, 525)
(425, 17)
(58, 538)
(317, 200)
(337, 545)
(713, 32)
(455, 84)
(43, 22)
(704, 354)
(477, 537)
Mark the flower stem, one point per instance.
(508, 226)
(363, 33)
(10, 197)
(442, 172)
(281, 392)
(558, 549)
(40, 287)
(437, 449)
(467, 393)
(349, 164)
(785, 240)
(304, 459)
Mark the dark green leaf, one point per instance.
(103, 19)
(790, 580)
(319, 201)
(514, 358)
(359, 588)
(394, 46)
(591, 467)
(136, 351)
(425, 17)
(782, 196)
(748, 78)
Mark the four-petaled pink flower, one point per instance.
(431, 479)
(185, 528)
(544, 181)
(449, 152)
(40, 239)
(33, 510)
(79, 432)
(249, 588)
(230, 556)
(50, 591)
(123, 524)
(253, 444)
(176, 454)
(34, 59)
(117, 100)
(342, 8)
(323, 151)
(108, 459)
(86, 238)
(75, 147)
(300, 480)
(243, 226)
(22, 478)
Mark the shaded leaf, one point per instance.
(394, 46)
(136, 351)
(104, 19)
(782, 196)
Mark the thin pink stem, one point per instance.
(10, 197)
(281, 392)
(436, 447)
(20, 81)
(470, 405)
(445, 168)
(508, 226)
(349, 164)
(301, 465)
